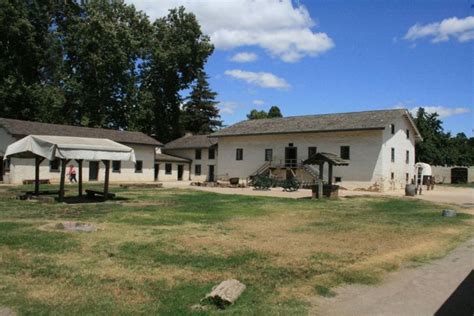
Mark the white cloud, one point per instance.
(282, 29)
(258, 102)
(461, 29)
(262, 79)
(228, 107)
(442, 111)
(244, 57)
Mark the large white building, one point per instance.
(17, 170)
(379, 145)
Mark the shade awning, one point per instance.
(330, 158)
(64, 147)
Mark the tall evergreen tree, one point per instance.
(200, 113)
(274, 112)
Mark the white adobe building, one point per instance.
(379, 145)
(17, 170)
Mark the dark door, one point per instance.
(459, 175)
(180, 172)
(211, 174)
(291, 157)
(93, 170)
(157, 171)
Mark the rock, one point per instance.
(75, 226)
(448, 213)
(226, 293)
(5, 311)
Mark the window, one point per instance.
(139, 166)
(198, 154)
(268, 154)
(392, 176)
(392, 155)
(197, 170)
(290, 145)
(168, 168)
(312, 151)
(407, 160)
(6, 165)
(408, 134)
(239, 154)
(54, 165)
(392, 128)
(346, 152)
(116, 165)
(338, 179)
(212, 153)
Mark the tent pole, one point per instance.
(37, 171)
(106, 180)
(63, 179)
(79, 166)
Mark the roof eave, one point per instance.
(306, 132)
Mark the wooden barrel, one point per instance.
(410, 190)
(234, 181)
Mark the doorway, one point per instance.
(458, 175)
(180, 172)
(211, 174)
(93, 170)
(291, 157)
(157, 171)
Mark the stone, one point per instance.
(448, 213)
(5, 311)
(226, 293)
(76, 226)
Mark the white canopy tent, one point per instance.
(66, 148)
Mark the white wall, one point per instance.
(205, 162)
(162, 176)
(365, 167)
(442, 174)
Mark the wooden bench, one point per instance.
(41, 181)
(93, 193)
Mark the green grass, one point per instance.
(160, 251)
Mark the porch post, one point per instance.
(106, 180)
(79, 166)
(330, 174)
(320, 180)
(63, 179)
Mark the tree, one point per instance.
(200, 114)
(175, 58)
(272, 113)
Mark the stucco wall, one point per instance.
(365, 153)
(401, 144)
(442, 174)
(162, 176)
(205, 162)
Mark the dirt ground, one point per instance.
(411, 291)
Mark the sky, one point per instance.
(314, 57)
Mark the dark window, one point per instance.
(268, 154)
(198, 154)
(290, 145)
(168, 168)
(212, 153)
(54, 165)
(312, 151)
(197, 170)
(6, 165)
(392, 175)
(346, 152)
(139, 166)
(408, 134)
(392, 155)
(408, 157)
(239, 154)
(392, 128)
(338, 179)
(116, 165)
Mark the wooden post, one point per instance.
(320, 180)
(79, 166)
(63, 179)
(37, 171)
(106, 180)
(330, 174)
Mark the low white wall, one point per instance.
(442, 174)
(163, 177)
(205, 162)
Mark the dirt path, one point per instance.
(411, 291)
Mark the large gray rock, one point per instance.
(5, 311)
(448, 213)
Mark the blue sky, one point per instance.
(337, 56)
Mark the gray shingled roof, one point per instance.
(192, 141)
(369, 120)
(170, 158)
(20, 128)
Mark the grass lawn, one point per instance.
(160, 251)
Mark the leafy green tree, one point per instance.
(176, 56)
(274, 112)
(200, 113)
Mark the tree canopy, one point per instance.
(272, 113)
(101, 64)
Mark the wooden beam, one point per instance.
(320, 180)
(63, 179)
(330, 174)
(106, 180)
(79, 167)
